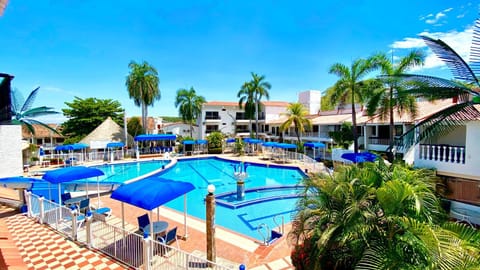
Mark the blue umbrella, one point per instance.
(359, 157)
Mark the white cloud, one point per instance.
(408, 43)
(459, 41)
(434, 19)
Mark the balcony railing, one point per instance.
(442, 152)
(380, 141)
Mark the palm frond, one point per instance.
(30, 99)
(39, 111)
(430, 87)
(475, 49)
(440, 123)
(460, 69)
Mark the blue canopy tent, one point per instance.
(360, 157)
(190, 144)
(252, 143)
(19, 182)
(265, 146)
(70, 174)
(230, 140)
(152, 137)
(70, 148)
(111, 149)
(202, 144)
(315, 145)
(284, 147)
(151, 193)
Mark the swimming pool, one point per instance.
(268, 202)
(124, 172)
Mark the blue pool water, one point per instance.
(117, 173)
(219, 172)
(122, 172)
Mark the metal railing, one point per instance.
(130, 248)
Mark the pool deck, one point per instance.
(16, 228)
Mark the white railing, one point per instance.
(309, 163)
(442, 152)
(125, 246)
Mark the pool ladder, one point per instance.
(270, 236)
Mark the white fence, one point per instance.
(125, 246)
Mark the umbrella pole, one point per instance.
(185, 215)
(151, 225)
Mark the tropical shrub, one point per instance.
(379, 217)
(215, 141)
(343, 137)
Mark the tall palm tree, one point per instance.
(247, 101)
(349, 86)
(142, 85)
(432, 88)
(24, 114)
(189, 106)
(257, 88)
(393, 97)
(296, 114)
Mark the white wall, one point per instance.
(274, 112)
(471, 168)
(311, 100)
(11, 163)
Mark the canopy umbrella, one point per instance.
(315, 145)
(359, 157)
(70, 174)
(285, 146)
(151, 193)
(19, 182)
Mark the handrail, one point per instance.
(265, 237)
(282, 228)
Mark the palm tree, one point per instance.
(378, 217)
(24, 114)
(189, 106)
(142, 86)
(463, 110)
(247, 101)
(255, 90)
(349, 86)
(393, 97)
(296, 114)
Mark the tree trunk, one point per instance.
(354, 124)
(390, 156)
(191, 129)
(256, 119)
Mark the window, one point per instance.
(211, 128)
(398, 130)
(240, 116)
(242, 128)
(374, 131)
(211, 116)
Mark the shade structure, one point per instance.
(115, 145)
(71, 147)
(269, 144)
(201, 142)
(19, 182)
(188, 142)
(155, 137)
(230, 140)
(70, 174)
(359, 157)
(314, 144)
(151, 193)
(285, 145)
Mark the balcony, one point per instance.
(442, 153)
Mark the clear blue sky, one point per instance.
(82, 48)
